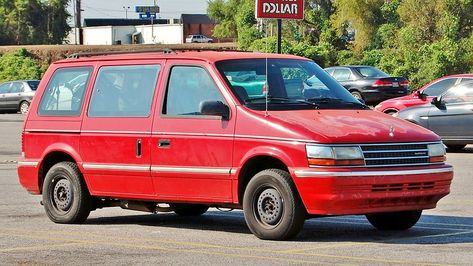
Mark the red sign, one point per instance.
(285, 9)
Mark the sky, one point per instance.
(114, 8)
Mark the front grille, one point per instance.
(395, 154)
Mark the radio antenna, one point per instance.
(266, 84)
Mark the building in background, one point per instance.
(139, 31)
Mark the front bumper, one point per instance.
(342, 192)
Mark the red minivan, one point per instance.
(271, 134)
(423, 95)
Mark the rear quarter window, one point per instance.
(64, 95)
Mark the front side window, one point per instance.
(188, 88)
(17, 87)
(287, 84)
(462, 93)
(64, 97)
(124, 91)
(440, 87)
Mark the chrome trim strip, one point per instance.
(134, 168)
(276, 138)
(380, 165)
(32, 164)
(191, 170)
(378, 144)
(115, 132)
(420, 150)
(236, 136)
(51, 131)
(233, 171)
(192, 134)
(308, 173)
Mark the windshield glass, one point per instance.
(290, 85)
(371, 72)
(33, 84)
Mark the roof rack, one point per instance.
(86, 54)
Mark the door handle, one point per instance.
(138, 148)
(164, 143)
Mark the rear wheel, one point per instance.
(189, 209)
(272, 207)
(456, 147)
(65, 196)
(357, 95)
(395, 221)
(24, 107)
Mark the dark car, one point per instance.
(369, 83)
(449, 115)
(17, 95)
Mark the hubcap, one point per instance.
(62, 195)
(269, 206)
(24, 108)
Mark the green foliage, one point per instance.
(18, 65)
(33, 21)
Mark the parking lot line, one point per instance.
(31, 248)
(39, 234)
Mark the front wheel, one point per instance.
(395, 221)
(272, 207)
(65, 196)
(24, 107)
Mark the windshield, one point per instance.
(290, 85)
(33, 84)
(371, 72)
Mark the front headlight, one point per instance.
(334, 155)
(436, 152)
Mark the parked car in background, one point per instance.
(17, 95)
(423, 95)
(369, 83)
(450, 115)
(198, 39)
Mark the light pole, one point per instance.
(126, 8)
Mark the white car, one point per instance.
(198, 39)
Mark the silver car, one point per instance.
(450, 116)
(17, 95)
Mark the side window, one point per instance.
(188, 87)
(5, 88)
(459, 94)
(63, 96)
(463, 80)
(342, 74)
(17, 87)
(124, 91)
(440, 87)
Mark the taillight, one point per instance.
(383, 83)
(404, 83)
(23, 143)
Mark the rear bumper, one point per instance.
(361, 192)
(28, 176)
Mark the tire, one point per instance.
(65, 196)
(357, 95)
(394, 221)
(189, 209)
(272, 207)
(458, 147)
(24, 107)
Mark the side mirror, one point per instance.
(421, 95)
(215, 108)
(437, 101)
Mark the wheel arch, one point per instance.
(52, 157)
(257, 162)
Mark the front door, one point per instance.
(116, 131)
(192, 152)
(453, 120)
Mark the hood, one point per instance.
(350, 126)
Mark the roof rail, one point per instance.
(86, 54)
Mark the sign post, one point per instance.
(280, 9)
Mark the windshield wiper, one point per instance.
(328, 100)
(282, 99)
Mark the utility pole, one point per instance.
(78, 20)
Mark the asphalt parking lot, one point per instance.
(444, 236)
